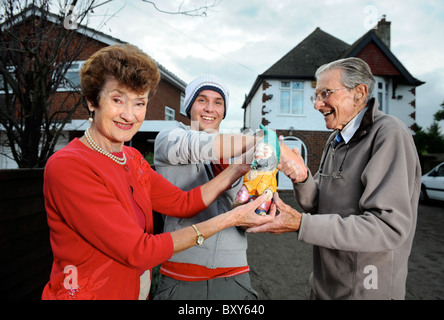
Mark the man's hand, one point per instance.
(237, 170)
(288, 219)
(292, 164)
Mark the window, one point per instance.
(438, 172)
(72, 76)
(169, 113)
(292, 97)
(381, 93)
(182, 104)
(3, 85)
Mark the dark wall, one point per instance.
(25, 251)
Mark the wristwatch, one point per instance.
(200, 238)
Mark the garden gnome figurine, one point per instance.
(262, 176)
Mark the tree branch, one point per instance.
(200, 11)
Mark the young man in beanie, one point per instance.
(189, 157)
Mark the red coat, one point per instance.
(93, 223)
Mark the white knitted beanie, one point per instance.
(205, 82)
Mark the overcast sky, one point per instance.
(240, 39)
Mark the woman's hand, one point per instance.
(245, 215)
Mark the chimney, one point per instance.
(383, 31)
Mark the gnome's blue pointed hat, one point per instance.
(271, 138)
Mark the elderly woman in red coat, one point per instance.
(100, 194)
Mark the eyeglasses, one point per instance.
(323, 95)
(333, 175)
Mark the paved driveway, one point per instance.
(280, 265)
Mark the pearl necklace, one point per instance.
(95, 146)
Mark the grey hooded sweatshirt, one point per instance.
(183, 156)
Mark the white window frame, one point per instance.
(182, 104)
(291, 88)
(170, 113)
(381, 93)
(11, 70)
(76, 66)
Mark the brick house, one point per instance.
(280, 97)
(164, 108)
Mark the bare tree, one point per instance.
(37, 48)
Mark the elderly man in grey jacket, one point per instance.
(361, 205)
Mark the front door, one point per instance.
(284, 183)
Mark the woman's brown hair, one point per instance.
(130, 66)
